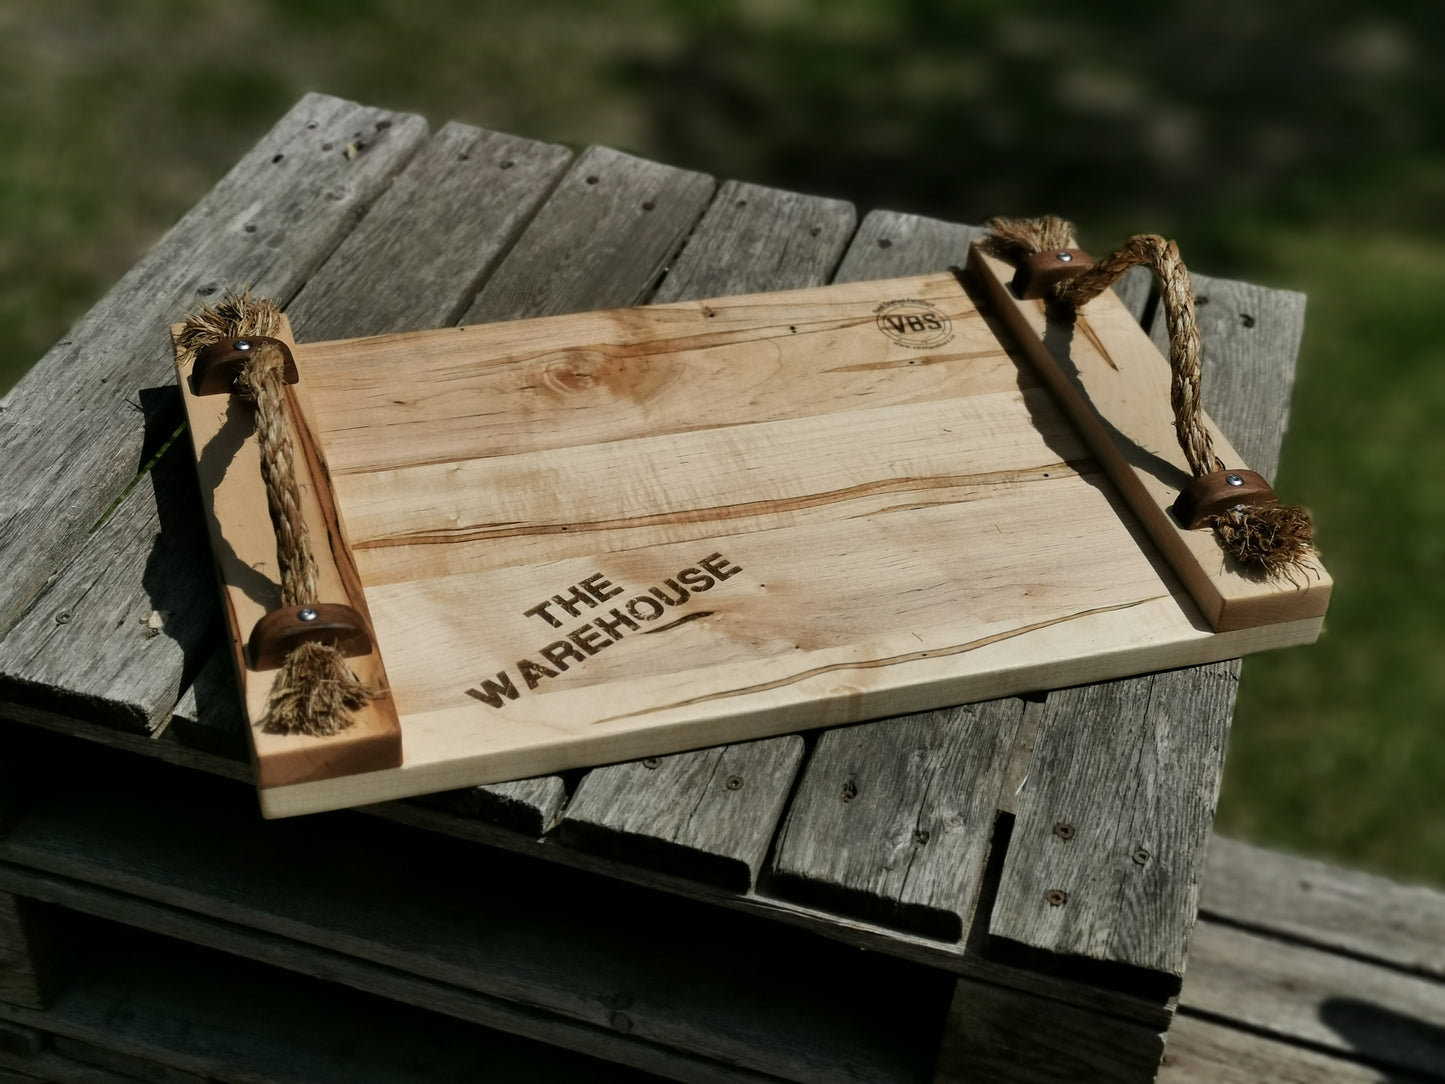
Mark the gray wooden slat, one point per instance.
(529, 806)
(1009, 1037)
(756, 239)
(1102, 870)
(1343, 910)
(70, 432)
(417, 260)
(676, 812)
(127, 620)
(208, 715)
(1306, 995)
(104, 664)
(1250, 336)
(1202, 1052)
(1136, 290)
(47, 1065)
(707, 814)
(565, 943)
(19, 1040)
(601, 241)
(892, 245)
(893, 820)
(140, 1004)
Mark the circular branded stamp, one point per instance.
(914, 323)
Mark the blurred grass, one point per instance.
(1297, 145)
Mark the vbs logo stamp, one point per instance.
(914, 323)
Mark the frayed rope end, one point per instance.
(1272, 541)
(233, 317)
(315, 693)
(1015, 238)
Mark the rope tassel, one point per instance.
(1267, 539)
(315, 691)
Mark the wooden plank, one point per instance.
(27, 965)
(126, 1065)
(223, 432)
(606, 1042)
(1342, 910)
(529, 806)
(1305, 995)
(144, 1003)
(47, 1065)
(1204, 1052)
(70, 434)
(126, 621)
(1009, 1037)
(891, 245)
(1112, 381)
(659, 812)
(1240, 323)
(602, 239)
(1101, 875)
(208, 715)
(894, 820)
(707, 814)
(433, 237)
(754, 239)
(396, 898)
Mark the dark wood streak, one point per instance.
(893, 660)
(680, 621)
(482, 532)
(921, 359)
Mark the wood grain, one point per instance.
(1110, 379)
(1202, 1052)
(881, 463)
(1346, 911)
(707, 814)
(1101, 875)
(417, 259)
(1329, 1001)
(243, 545)
(602, 239)
(130, 618)
(893, 820)
(529, 806)
(891, 245)
(70, 435)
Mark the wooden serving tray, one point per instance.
(584, 539)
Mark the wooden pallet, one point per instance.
(586, 538)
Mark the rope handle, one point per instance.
(315, 692)
(1266, 538)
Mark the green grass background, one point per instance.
(1298, 145)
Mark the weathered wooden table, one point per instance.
(1021, 876)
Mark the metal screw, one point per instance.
(1057, 897)
(242, 344)
(735, 782)
(63, 617)
(1064, 830)
(1064, 257)
(921, 836)
(651, 762)
(1141, 856)
(307, 614)
(1234, 480)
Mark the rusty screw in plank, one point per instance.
(735, 782)
(1064, 830)
(1057, 897)
(1141, 856)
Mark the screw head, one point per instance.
(1234, 480)
(1064, 257)
(1141, 856)
(734, 782)
(1056, 897)
(307, 614)
(651, 763)
(242, 344)
(1064, 830)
